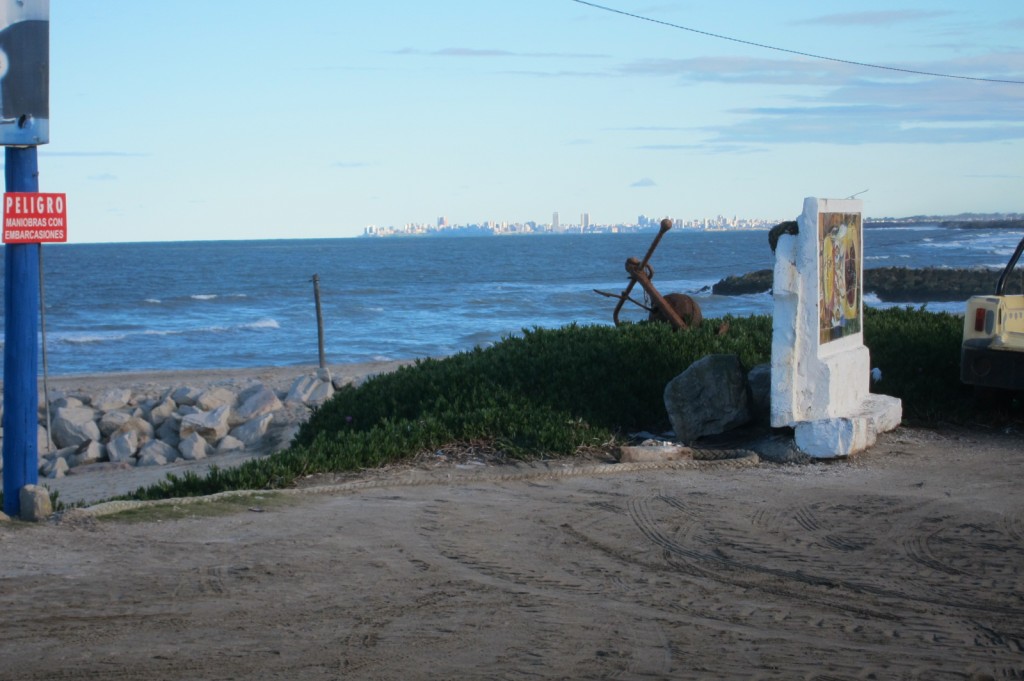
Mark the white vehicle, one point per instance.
(992, 353)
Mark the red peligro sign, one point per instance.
(31, 218)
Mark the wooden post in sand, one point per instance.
(319, 321)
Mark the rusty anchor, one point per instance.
(678, 309)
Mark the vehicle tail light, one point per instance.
(979, 319)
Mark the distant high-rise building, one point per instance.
(585, 221)
(442, 221)
(555, 227)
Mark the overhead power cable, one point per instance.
(796, 52)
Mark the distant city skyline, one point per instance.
(556, 225)
(642, 223)
(254, 120)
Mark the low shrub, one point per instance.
(551, 392)
(611, 377)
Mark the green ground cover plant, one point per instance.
(552, 392)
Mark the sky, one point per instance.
(248, 119)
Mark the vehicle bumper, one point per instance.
(981, 365)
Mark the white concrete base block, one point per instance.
(885, 411)
(835, 437)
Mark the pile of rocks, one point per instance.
(153, 429)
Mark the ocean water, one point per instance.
(195, 305)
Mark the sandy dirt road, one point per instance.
(906, 562)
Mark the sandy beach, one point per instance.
(906, 561)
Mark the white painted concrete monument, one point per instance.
(820, 365)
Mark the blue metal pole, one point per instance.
(21, 343)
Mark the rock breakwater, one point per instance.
(121, 428)
(897, 284)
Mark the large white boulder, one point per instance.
(185, 395)
(708, 398)
(311, 390)
(302, 389)
(211, 425)
(43, 443)
(112, 399)
(161, 411)
(194, 447)
(229, 444)
(111, 421)
(156, 453)
(58, 469)
(168, 431)
(251, 432)
(123, 446)
(35, 503)
(65, 401)
(323, 392)
(48, 463)
(215, 397)
(74, 425)
(142, 428)
(254, 402)
(88, 452)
